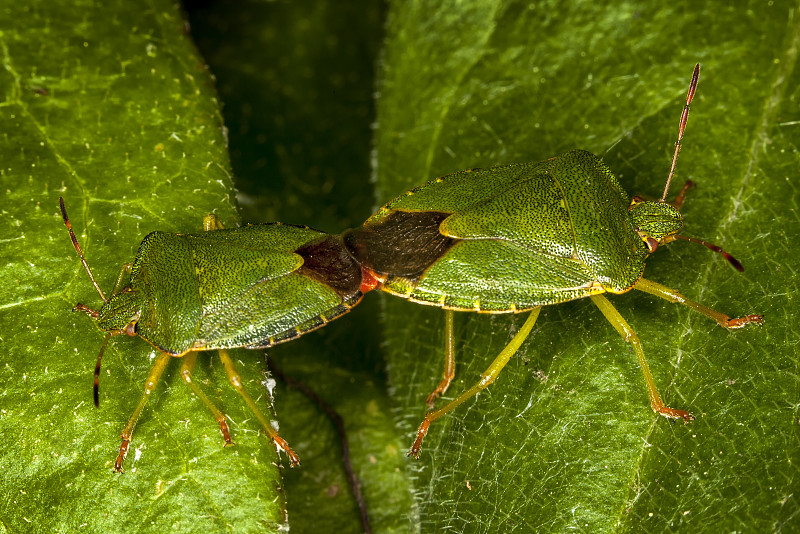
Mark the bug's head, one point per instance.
(655, 221)
(659, 222)
(121, 313)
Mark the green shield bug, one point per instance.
(251, 287)
(518, 237)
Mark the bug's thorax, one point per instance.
(655, 222)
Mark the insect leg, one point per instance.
(630, 336)
(149, 386)
(212, 222)
(236, 381)
(487, 377)
(678, 203)
(124, 275)
(449, 360)
(674, 296)
(186, 373)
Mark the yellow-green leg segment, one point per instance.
(149, 386)
(630, 336)
(187, 368)
(211, 222)
(674, 296)
(449, 360)
(236, 381)
(487, 377)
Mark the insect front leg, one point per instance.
(630, 336)
(149, 386)
(674, 296)
(487, 377)
(678, 203)
(236, 381)
(186, 373)
(449, 360)
(122, 279)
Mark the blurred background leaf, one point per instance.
(111, 107)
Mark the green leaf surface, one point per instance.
(565, 439)
(111, 107)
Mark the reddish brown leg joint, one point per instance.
(739, 322)
(123, 452)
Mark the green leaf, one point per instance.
(110, 107)
(565, 439)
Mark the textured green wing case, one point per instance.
(245, 287)
(507, 238)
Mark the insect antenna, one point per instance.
(78, 248)
(97, 370)
(733, 261)
(83, 308)
(684, 117)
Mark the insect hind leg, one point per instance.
(449, 360)
(236, 381)
(487, 378)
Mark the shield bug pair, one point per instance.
(518, 237)
(250, 287)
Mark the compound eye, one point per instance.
(130, 329)
(649, 241)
